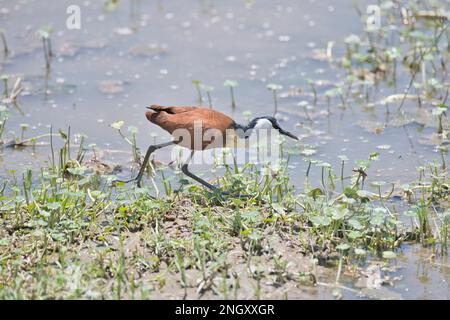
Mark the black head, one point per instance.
(268, 122)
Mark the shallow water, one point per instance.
(423, 276)
(254, 44)
(417, 273)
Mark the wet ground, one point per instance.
(144, 53)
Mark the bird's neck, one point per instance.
(238, 126)
(244, 131)
(240, 129)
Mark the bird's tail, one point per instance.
(170, 109)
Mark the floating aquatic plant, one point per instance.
(313, 88)
(344, 159)
(393, 54)
(274, 88)
(440, 112)
(304, 104)
(231, 84)
(45, 34)
(130, 140)
(208, 90)
(111, 5)
(24, 127)
(197, 84)
(3, 119)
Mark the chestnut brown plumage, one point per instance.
(174, 118)
(185, 118)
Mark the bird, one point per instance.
(215, 129)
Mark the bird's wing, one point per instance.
(171, 109)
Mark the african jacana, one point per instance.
(179, 120)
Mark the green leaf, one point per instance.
(315, 192)
(230, 83)
(111, 5)
(278, 208)
(206, 88)
(354, 234)
(274, 87)
(378, 183)
(53, 205)
(350, 193)
(132, 130)
(343, 247)
(336, 213)
(366, 194)
(316, 220)
(355, 224)
(117, 124)
(365, 163)
(352, 39)
(324, 164)
(438, 111)
(45, 31)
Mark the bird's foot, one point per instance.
(217, 190)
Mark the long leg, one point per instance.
(150, 150)
(185, 170)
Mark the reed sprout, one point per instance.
(197, 84)
(231, 84)
(45, 34)
(4, 42)
(274, 88)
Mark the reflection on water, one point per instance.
(425, 274)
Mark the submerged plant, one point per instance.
(5, 44)
(4, 78)
(24, 127)
(208, 90)
(130, 140)
(313, 88)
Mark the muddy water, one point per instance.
(146, 53)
